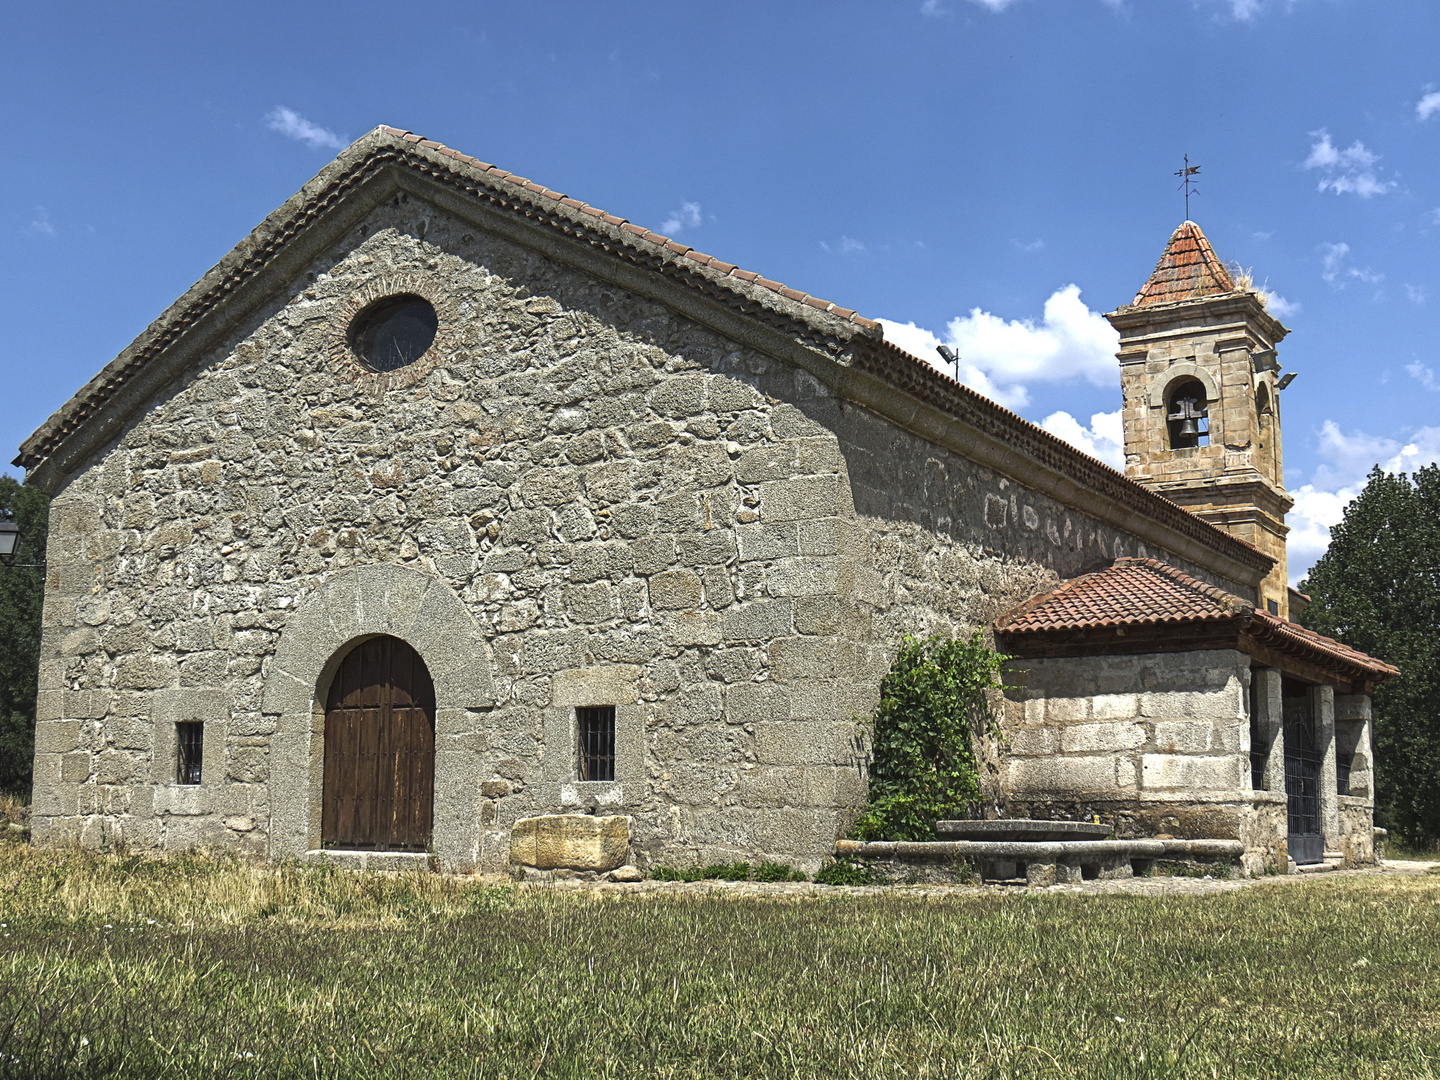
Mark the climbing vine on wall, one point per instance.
(934, 702)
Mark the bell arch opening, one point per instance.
(1187, 414)
(378, 772)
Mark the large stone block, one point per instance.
(570, 842)
(805, 498)
(1189, 737)
(802, 576)
(674, 589)
(1077, 774)
(803, 658)
(1092, 738)
(606, 684)
(760, 620)
(1186, 773)
(1032, 741)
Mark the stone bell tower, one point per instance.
(1201, 399)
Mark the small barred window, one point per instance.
(189, 750)
(597, 742)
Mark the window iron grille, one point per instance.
(190, 747)
(597, 742)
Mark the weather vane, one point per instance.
(1185, 174)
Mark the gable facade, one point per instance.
(624, 476)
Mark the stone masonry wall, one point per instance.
(1156, 744)
(623, 503)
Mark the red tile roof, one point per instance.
(1292, 637)
(1189, 269)
(809, 318)
(1133, 593)
(638, 230)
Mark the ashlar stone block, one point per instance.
(673, 589)
(1185, 772)
(1093, 738)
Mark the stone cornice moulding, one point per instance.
(1205, 313)
(375, 168)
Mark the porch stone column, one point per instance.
(1324, 699)
(1272, 724)
(1352, 731)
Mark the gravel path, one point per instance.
(1140, 886)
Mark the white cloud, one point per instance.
(933, 9)
(687, 217)
(1103, 439)
(993, 5)
(1027, 246)
(294, 126)
(1281, 308)
(1346, 460)
(918, 341)
(1325, 155)
(1348, 171)
(1331, 260)
(1424, 375)
(1416, 294)
(999, 357)
(1428, 105)
(39, 224)
(1334, 270)
(1245, 10)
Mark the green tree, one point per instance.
(933, 702)
(1377, 589)
(21, 593)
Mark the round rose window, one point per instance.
(394, 332)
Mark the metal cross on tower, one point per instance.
(1185, 174)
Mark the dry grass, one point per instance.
(196, 966)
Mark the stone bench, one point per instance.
(1041, 863)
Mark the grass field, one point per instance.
(199, 967)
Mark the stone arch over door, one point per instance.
(345, 608)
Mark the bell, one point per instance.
(1189, 429)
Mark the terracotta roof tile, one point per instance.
(1189, 269)
(1146, 592)
(1131, 592)
(680, 249)
(1267, 627)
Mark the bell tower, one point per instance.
(1201, 385)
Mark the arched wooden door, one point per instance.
(379, 780)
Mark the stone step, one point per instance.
(392, 861)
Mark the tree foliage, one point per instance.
(21, 591)
(933, 702)
(1377, 589)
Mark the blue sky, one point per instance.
(988, 172)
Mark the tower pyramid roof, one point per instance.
(1188, 270)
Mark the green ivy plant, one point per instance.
(933, 703)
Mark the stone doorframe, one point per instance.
(348, 606)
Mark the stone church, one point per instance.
(446, 502)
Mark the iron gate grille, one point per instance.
(597, 742)
(1302, 781)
